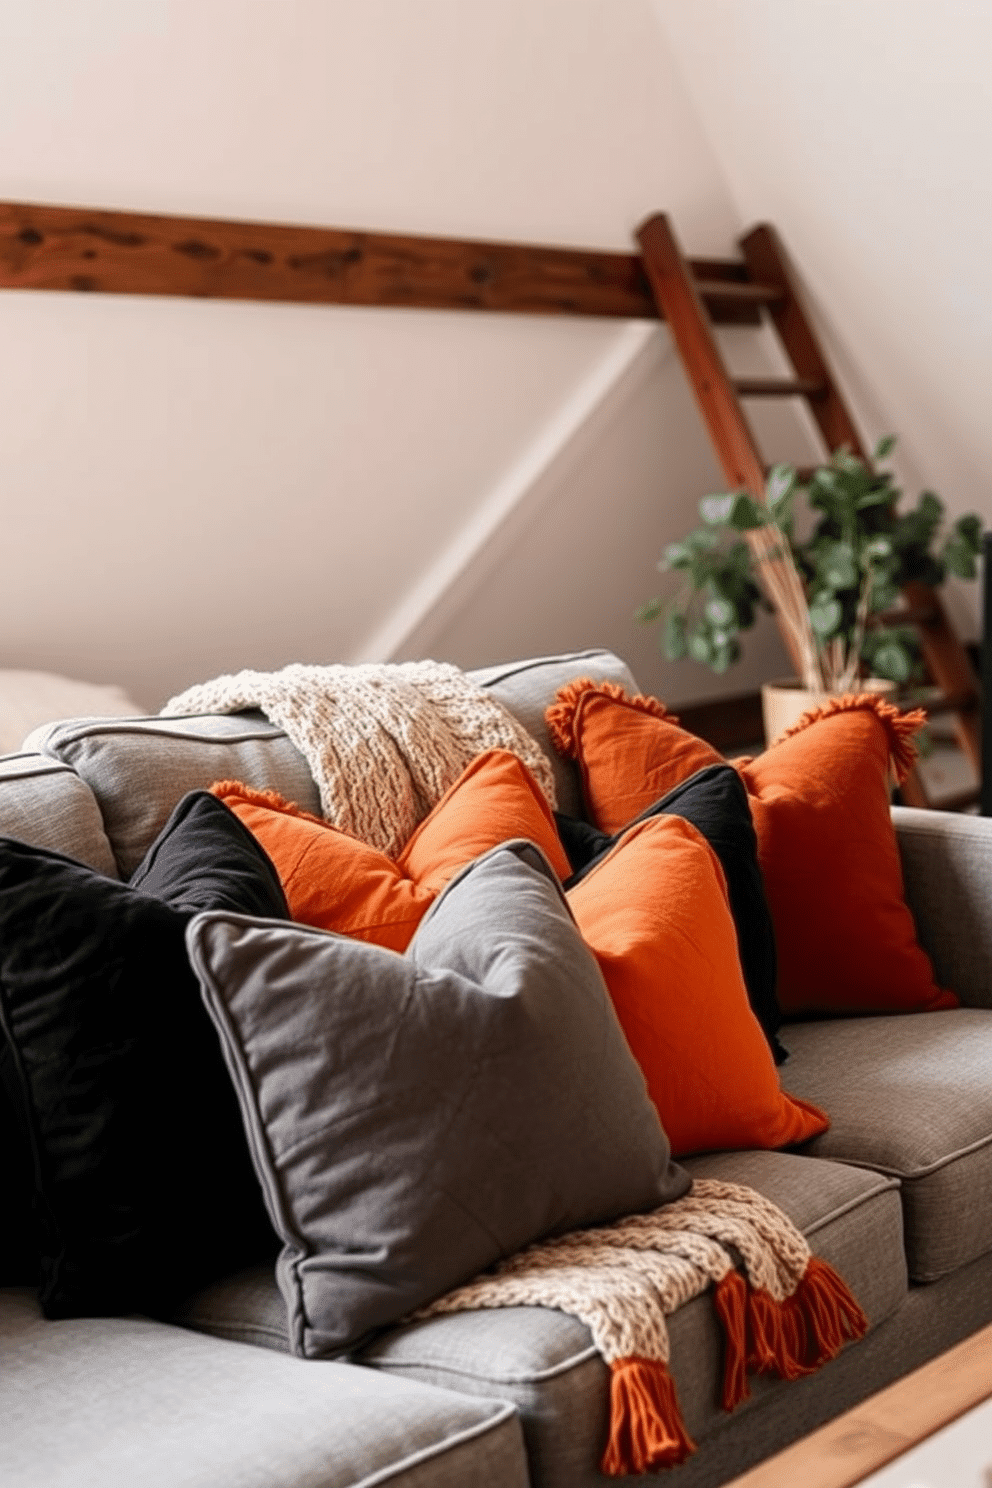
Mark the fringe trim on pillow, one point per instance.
(268, 798)
(899, 727)
(560, 716)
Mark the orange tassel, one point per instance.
(730, 1301)
(560, 716)
(899, 727)
(646, 1427)
(795, 1337)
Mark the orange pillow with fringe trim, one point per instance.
(827, 848)
(630, 750)
(336, 882)
(656, 914)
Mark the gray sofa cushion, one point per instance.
(415, 1118)
(139, 768)
(528, 687)
(910, 1095)
(137, 1402)
(544, 1360)
(45, 803)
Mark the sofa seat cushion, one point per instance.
(544, 1360)
(111, 1401)
(910, 1096)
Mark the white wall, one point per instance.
(863, 129)
(192, 487)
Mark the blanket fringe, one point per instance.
(730, 1297)
(560, 716)
(797, 1336)
(646, 1427)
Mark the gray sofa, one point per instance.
(897, 1195)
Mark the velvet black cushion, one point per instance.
(715, 802)
(143, 1185)
(18, 1259)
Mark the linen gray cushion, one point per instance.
(139, 768)
(46, 804)
(527, 688)
(947, 870)
(107, 1403)
(414, 1118)
(910, 1096)
(544, 1360)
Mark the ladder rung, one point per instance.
(779, 387)
(950, 702)
(752, 294)
(911, 615)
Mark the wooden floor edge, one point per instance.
(872, 1434)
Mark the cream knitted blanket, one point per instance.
(383, 742)
(788, 1313)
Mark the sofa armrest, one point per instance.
(947, 868)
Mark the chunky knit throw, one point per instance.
(788, 1313)
(383, 742)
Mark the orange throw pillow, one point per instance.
(827, 848)
(331, 880)
(630, 751)
(656, 915)
(335, 882)
(495, 798)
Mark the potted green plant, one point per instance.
(832, 568)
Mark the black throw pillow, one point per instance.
(715, 802)
(143, 1183)
(18, 1256)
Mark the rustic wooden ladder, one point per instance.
(768, 284)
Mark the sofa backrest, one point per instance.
(44, 801)
(136, 769)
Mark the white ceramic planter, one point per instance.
(784, 702)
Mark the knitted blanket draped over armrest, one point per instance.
(788, 1313)
(383, 743)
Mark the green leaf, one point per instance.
(959, 558)
(836, 566)
(725, 656)
(717, 509)
(675, 643)
(700, 647)
(931, 507)
(780, 485)
(878, 496)
(969, 530)
(825, 615)
(720, 612)
(651, 611)
(877, 549)
(676, 555)
(892, 660)
(747, 513)
(884, 447)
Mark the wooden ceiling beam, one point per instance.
(106, 252)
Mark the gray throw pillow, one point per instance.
(415, 1118)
